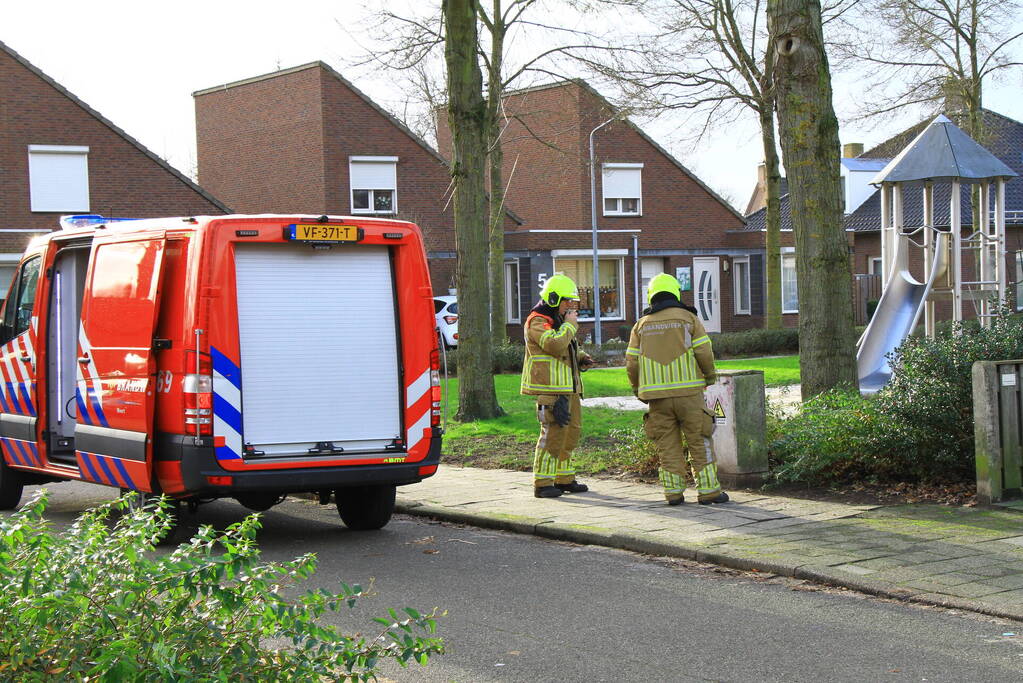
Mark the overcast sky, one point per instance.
(137, 63)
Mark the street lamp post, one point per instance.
(593, 228)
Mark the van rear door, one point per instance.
(116, 364)
(318, 339)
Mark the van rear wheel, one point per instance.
(364, 508)
(11, 487)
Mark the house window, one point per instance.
(374, 182)
(1019, 280)
(58, 177)
(511, 292)
(741, 282)
(874, 265)
(789, 293)
(610, 289)
(622, 188)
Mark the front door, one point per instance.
(706, 291)
(116, 364)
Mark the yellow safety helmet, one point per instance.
(558, 287)
(663, 282)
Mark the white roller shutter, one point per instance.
(374, 175)
(622, 181)
(319, 350)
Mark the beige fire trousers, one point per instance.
(552, 460)
(666, 423)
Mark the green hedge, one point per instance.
(917, 428)
(756, 343)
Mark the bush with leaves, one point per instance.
(95, 602)
(918, 428)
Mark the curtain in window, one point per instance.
(581, 272)
(789, 293)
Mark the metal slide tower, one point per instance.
(942, 164)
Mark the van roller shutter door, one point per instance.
(319, 350)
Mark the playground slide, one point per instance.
(897, 313)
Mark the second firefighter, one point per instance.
(670, 362)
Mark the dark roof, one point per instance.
(1003, 138)
(757, 221)
(943, 152)
(109, 124)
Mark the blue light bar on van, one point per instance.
(84, 220)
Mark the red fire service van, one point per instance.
(223, 356)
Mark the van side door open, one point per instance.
(116, 371)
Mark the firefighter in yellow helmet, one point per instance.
(670, 362)
(550, 372)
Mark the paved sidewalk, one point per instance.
(961, 558)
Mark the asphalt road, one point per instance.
(525, 609)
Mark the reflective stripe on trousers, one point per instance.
(552, 459)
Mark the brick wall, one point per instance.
(123, 179)
(261, 144)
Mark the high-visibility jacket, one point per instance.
(551, 364)
(669, 354)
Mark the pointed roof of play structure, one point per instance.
(943, 152)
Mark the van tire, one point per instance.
(365, 508)
(12, 484)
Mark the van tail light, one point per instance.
(198, 393)
(451, 319)
(435, 388)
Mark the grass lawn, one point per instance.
(611, 439)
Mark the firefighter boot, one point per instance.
(573, 487)
(720, 498)
(547, 492)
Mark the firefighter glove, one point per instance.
(562, 413)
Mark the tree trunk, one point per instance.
(809, 142)
(467, 118)
(772, 318)
(495, 88)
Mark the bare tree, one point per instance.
(933, 50)
(466, 110)
(809, 140)
(707, 56)
(415, 40)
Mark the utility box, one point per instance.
(998, 429)
(740, 442)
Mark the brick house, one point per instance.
(306, 140)
(1004, 139)
(59, 156)
(653, 215)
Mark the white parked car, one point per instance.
(446, 308)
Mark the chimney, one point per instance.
(758, 200)
(852, 149)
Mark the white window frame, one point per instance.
(875, 264)
(512, 312)
(621, 281)
(618, 211)
(353, 187)
(1019, 279)
(736, 284)
(39, 201)
(789, 256)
